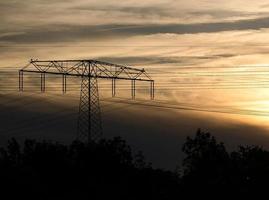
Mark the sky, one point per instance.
(209, 60)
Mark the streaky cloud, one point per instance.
(71, 33)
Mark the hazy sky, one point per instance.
(205, 55)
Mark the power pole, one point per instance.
(89, 124)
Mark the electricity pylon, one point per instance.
(89, 126)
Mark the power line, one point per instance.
(137, 46)
(242, 112)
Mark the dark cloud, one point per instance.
(252, 24)
(226, 55)
(144, 12)
(157, 60)
(166, 11)
(55, 34)
(224, 14)
(69, 33)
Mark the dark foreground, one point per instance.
(109, 170)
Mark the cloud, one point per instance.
(231, 15)
(252, 24)
(160, 60)
(145, 12)
(69, 33)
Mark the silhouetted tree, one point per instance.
(99, 170)
(211, 171)
(109, 169)
(206, 159)
(250, 168)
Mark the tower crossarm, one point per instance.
(91, 68)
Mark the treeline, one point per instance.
(108, 169)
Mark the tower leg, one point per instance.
(152, 88)
(134, 89)
(64, 84)
(113, 87)
(89, 119)
(20, 81)
(43, 81)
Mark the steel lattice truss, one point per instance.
(84, 68)
(89, 120)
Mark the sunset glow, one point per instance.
(209, 59)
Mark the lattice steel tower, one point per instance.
(89, 126)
